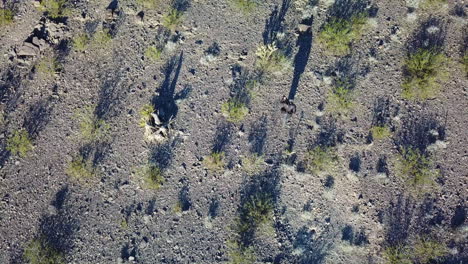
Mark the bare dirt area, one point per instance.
(234, 131)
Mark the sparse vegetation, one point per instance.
(173, 19)
(271, 59)
(433, 3)
(215, 161)
(91, 127)
(252, 163)
(239, 254)
(19, 143)
(380, 132)
(321, 158)
(145, 114)
(55, 8)
(338, 34)
(340, 99)
(423, 251)
(426, 250)
(234, 110)
(424, 71)
(417, 168)
(397, 255)
(245, 6)
(6, 17)
(38, 252)
(101, 38)
(48, 67)
(152, 177)
(148, 4)
(80, 42)
(81, 169)
(153, 54)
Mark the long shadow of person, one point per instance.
(165, 101)
(304, 42)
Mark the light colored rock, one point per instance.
(28, 49)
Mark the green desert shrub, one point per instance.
(257, 212)
(153, 54)
(215, 161)
(148, 4)
(424, 70)
(432, 3)
(48, 67)
(338, 34)
(426, 250)
(397, 255)
(421, 251)
(271, 59)
(234, 110)
(80, 42)
(252, 163)
(80, 169)
(145, 114)
(6, 17)
(19, 143)
(173, 19)
(101, 38)
(380, 132)
(416, 168)
(340, 99)
(152, 177)
(239, 254)
(245, 6)
(92, 128)
(321, 158)
(39, 252)
(55, 8)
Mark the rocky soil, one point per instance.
(348, 214)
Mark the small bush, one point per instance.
(101, 38)
(270, 59)
(338, 34)
(173, 19)
(148, 4)
(426, 250)
(340, 99)
(424, 70)
(80, 42)
(252, 163)
(245, 6)
(234, 110)
(239, 254)
(145, 114)
(215, 161)
(48, 67)
(417, 168)
(321, 158)
(433, 3)
(397, 255)
(152, 177)
(81, 169)
(380, 132)
(55, 8)
(256, 212)
(6, 17)
(423, 251)
(19, 143)
(91, 127)
(38, 252)
(153, 53)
